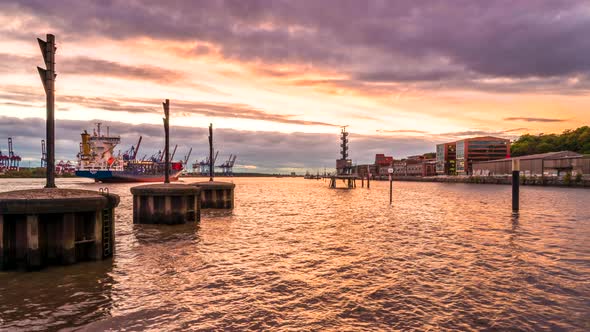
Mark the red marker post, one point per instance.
(390, 171)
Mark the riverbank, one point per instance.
(242, 175)
(31, 173)
(505, 180)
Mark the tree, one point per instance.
(577, 140)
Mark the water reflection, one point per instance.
(150, 234)
(295, 255)
(57, 297)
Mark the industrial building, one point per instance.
(415, 166)
(411, 166)
(382, 164)
(364, 170)
(546, 164)
(378, 169)
(458, 157)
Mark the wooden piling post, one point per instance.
(390, 172)
(390, 190)
(515, 185)
(48, 78)
(211, 161)
(166, 119)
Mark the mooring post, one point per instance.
(48, 78)
(390, 172)
(515, 185)
(211, 162)
(390, 189)
(368, 177)
(166, 119)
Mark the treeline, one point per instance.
(36, 172)
(572, 140)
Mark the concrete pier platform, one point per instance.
(349, 180)
(216, 194)
(166, 203)
(51, 226)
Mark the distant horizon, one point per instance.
(32, 153)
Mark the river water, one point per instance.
(295, 255)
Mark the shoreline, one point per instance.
(498, 180)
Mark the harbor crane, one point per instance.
(131, 154)
(162, 154)
(14, 160)
(228, 165)
(43, 154)
(173, 152)
(185, 162)
(203, 165)
(3, 162)
(156, 157)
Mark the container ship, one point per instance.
(97, 161)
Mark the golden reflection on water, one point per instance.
(296, 255)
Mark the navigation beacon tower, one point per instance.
(344, 169)
(344, 165)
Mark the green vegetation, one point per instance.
(430, 155)
(573, 140)
(567, 179)
(37, 172)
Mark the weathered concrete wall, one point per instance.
(166, 204)
(216, 195)
(53, 226)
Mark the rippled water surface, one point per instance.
(295, 255)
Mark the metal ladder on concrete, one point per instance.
(107, 231)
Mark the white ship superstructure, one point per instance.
(96, 151)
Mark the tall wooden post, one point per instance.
(166, 119)
(48, 78)
(390, 172)
(515, 185)
(211, 161)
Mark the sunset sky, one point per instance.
(278, 78)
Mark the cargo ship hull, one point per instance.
(108, 176)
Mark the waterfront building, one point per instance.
(477, 149)
(446, 158)
(415, 166)
(546, 164)
(382, 164)
(457, 158)
(364, 169)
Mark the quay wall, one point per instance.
(505, 180)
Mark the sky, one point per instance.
(278, 78)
